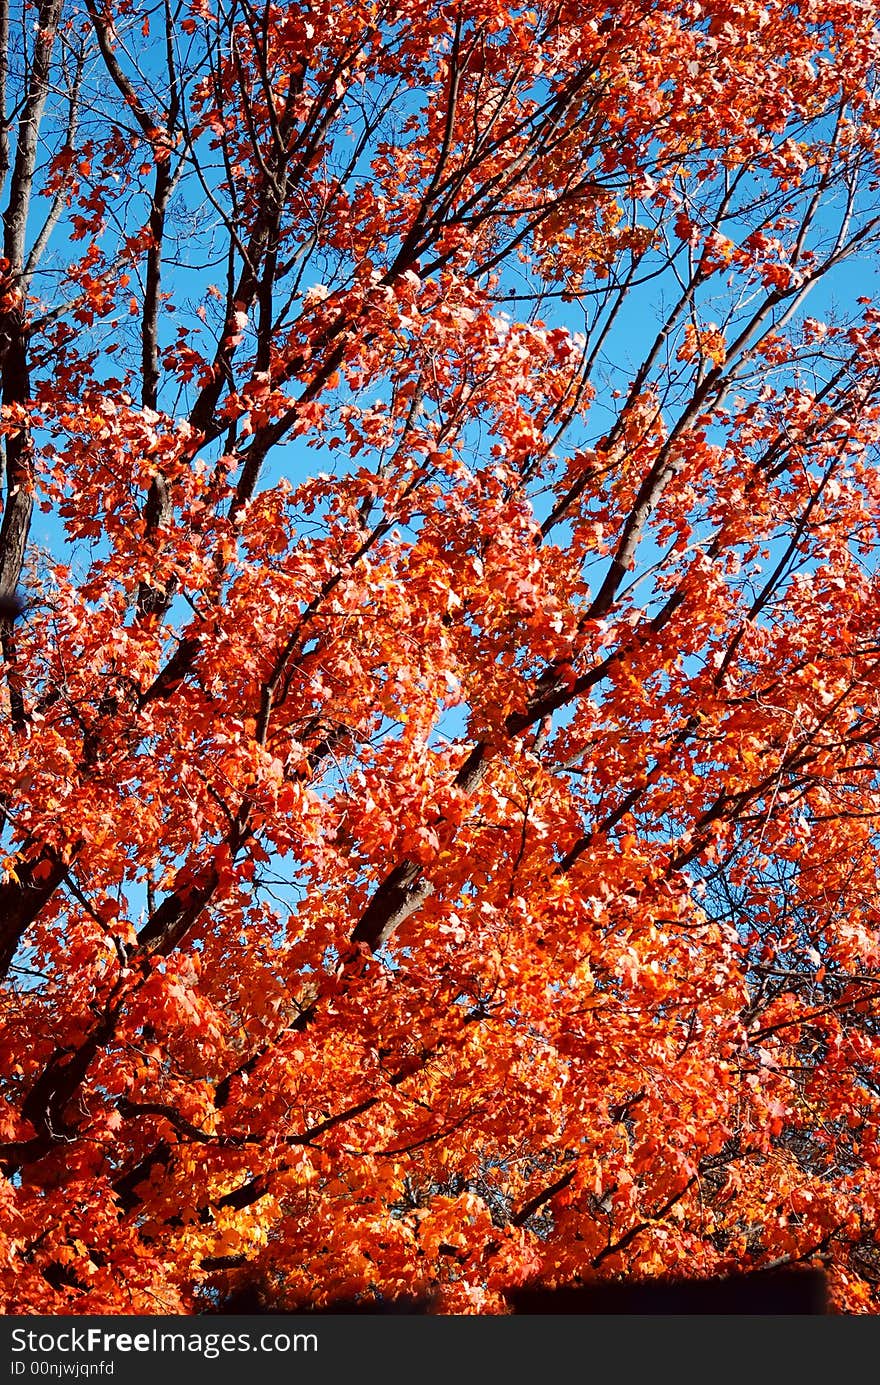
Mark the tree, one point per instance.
(439, 750)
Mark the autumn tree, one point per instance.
(441, 648)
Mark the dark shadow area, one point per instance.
(763, 1292)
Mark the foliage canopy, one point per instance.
(439, 767)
